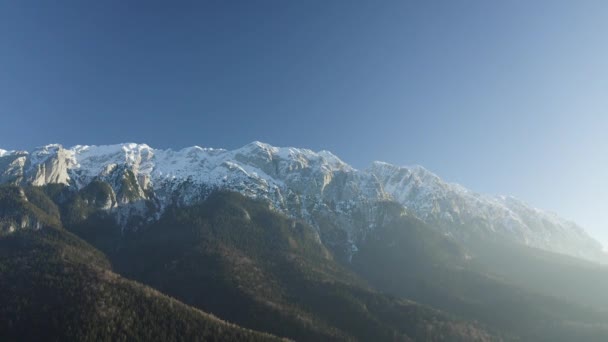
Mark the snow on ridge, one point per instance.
(6, 153)
(440, 202)
(198, 164)
(208, 164)
(260, 169)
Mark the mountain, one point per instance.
(343, 203)
(285, 241)
(468, 215)
(55, 286)
(527, 293)
(228, 255)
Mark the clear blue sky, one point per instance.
(506, 97)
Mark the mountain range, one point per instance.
(298, 182)
(127, 242)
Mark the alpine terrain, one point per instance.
(280, 242)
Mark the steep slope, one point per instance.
(228, 255)
(469, 215)
(235, 258)
(239, 260)
(56, 286)
(314, 186)
(246, 263)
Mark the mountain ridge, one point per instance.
(299, 182)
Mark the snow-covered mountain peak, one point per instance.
(291, 158)
(334, 161)
(8, 153)
(100, 150)
(417, 172)
(258, 145)
(300, 182)
(48, 148)
(462, 211)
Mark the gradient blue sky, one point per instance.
(505, 97)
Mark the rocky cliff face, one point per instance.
(343, 203)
